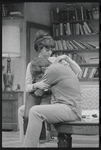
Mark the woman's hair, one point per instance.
(43, 39)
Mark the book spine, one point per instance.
(71, 45)
(92, 73)
(85, 72)
(82, 47)
(61, 29)
(54, 30)
(85, 30)
(92, 28)
(81, 30)
(60, 45)
(75, 47)
(87, 27)
(92, 45)
(64, 44)
(82, 13)
(56, 46)
(68, 28)
(96, 75)
(68, 45)
(77, 29)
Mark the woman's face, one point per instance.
(46, 52)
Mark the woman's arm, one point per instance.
(28, 80)
(74, 66)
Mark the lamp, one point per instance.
(10, 48)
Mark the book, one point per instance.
(76, 15)
(87, 27)
(79, 14)
(92, 72)
(85, 72)
(77, 29)
(54, 30)
(82, 71)
(64, 44)
(71, 45)
(85, 30)
(82, 13)
(68, 45)
(88, 72)
(92, 28)
(96, 75)
(82, 44)
(61, 29)
(68, 28)
(57, 29)
(81, 30)
(60, 47)
(56, 46)
(74, 46)
(92, 45)
(79, 45)
(86, 45)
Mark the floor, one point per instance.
(11, 139)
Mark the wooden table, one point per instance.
(11, 101)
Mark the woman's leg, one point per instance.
(31, 100)
(20, 121)
(50, 113)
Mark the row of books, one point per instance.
(74, 56)
(78, 13)
(73, 45)
(83, 28)
(89, 72)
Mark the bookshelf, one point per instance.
(76, 34)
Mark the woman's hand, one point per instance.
(41, 85)
(62, 57)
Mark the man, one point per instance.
(65, 88)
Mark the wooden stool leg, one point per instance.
(64, 140)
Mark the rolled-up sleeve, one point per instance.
(51, 75)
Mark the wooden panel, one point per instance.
(11, 101)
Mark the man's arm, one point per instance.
(50, 78)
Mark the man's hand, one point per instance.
(41, 85)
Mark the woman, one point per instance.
(44, 45)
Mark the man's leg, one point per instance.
(51, 113)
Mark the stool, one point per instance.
(66, 129)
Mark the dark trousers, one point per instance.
(31, 100)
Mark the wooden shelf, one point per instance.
(76, 21)
(12, 17)
(77, 51)
(87, 79)
(66, 36)
(88, 65)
